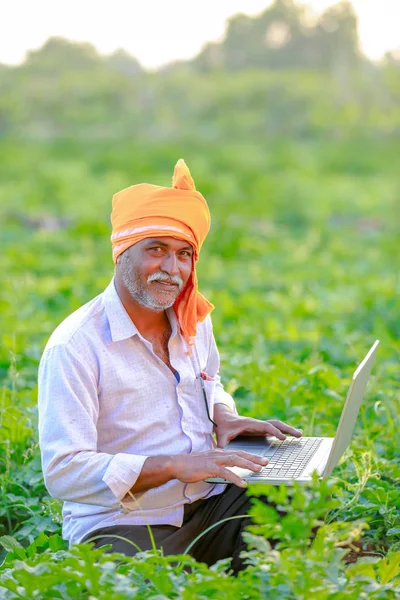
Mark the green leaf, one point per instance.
(9, 543)
(56, 543)
(393, 531)
(389, 567)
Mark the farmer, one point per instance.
(130, 395)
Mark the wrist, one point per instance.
(171, 466)
(223, 413)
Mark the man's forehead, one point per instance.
(166, 241)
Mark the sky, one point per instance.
(157, 32)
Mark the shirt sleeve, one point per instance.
(68, 402)
(213, 364)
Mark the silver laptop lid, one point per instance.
(350, 410)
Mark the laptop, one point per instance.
(296, 459)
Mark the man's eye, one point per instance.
(186, 253)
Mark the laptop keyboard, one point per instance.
(290, 458)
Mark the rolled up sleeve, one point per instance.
(122, 473)
(68, 412)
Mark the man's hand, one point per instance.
(191, 468)
(231, 425)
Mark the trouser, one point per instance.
(222, 541)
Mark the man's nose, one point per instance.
(170, 264)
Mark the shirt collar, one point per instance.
(121, 325)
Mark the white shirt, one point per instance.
(107, 402)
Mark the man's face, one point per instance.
(155, 271)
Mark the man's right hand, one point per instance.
(191, 468)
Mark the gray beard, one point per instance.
(143, 295)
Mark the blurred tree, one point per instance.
(392, 58)
(68, 88)
(285, 36)
(336, 36)
(124, 63)
(282, 73)
(61, 54)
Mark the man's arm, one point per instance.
(68, 411)
(191, 468)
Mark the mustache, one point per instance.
(162, 276)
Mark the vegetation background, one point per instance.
(292, 135)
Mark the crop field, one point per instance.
(302, 266)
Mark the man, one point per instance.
(130, 396)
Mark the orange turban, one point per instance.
(146, 210)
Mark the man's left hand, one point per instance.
(231, 425)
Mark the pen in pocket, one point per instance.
(206, 377)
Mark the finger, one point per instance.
(232, 477)
(256, 458)
(258, 427)
(270, 429)
(285, 428)
(234, 460)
